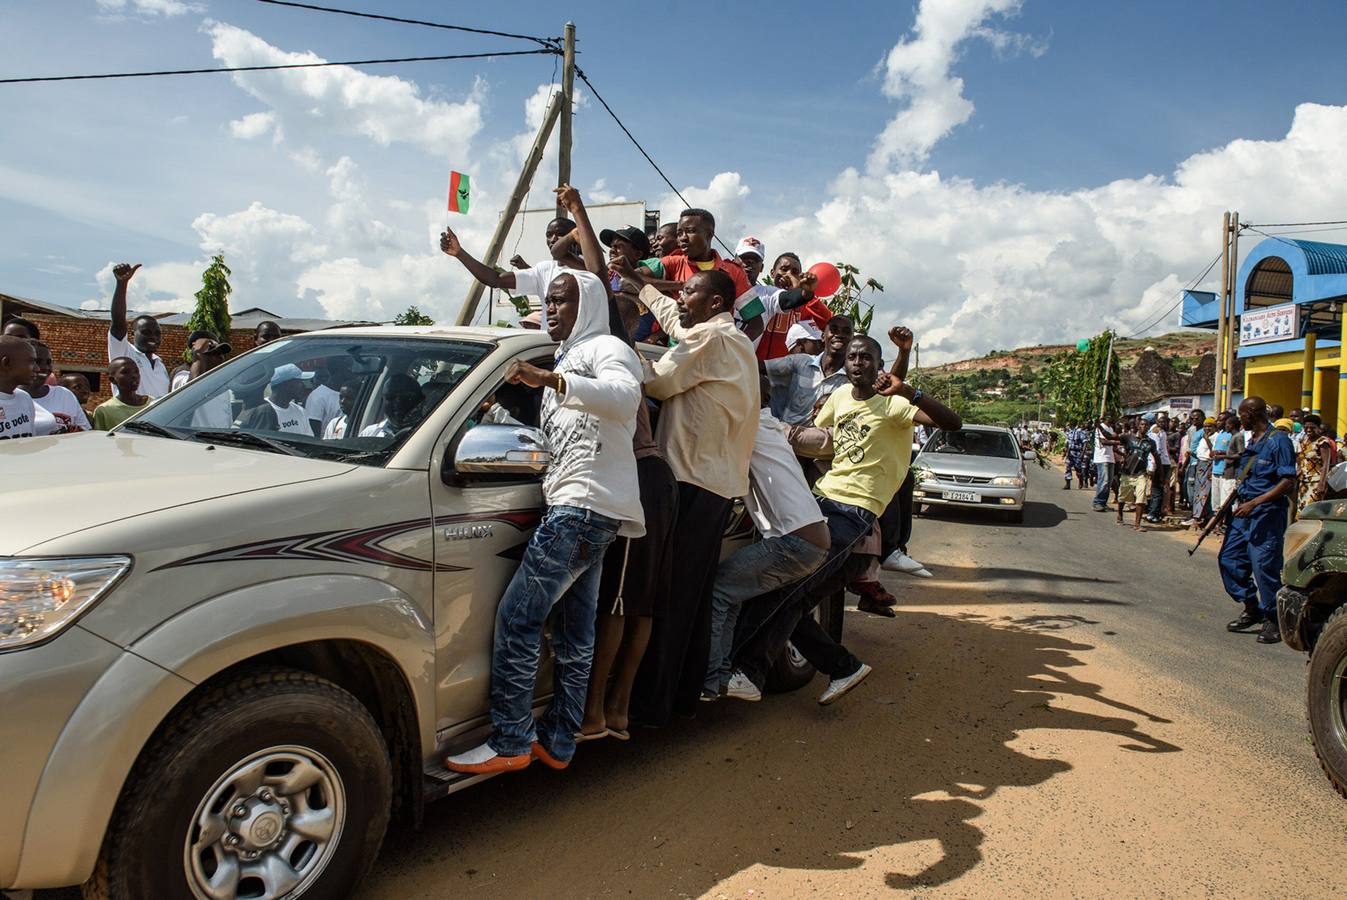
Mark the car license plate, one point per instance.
(963, 496)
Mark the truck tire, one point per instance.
(1326, 700)
(270, 784)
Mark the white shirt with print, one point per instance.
(292, 418)
(16, 415)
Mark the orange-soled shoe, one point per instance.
(483, 760)
(541, 755)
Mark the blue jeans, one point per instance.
(561, 565)
(750, 572)
(1104, 473)
(1251, 556)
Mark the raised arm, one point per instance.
(901, 336)
(930, 411)
(122, 272)
(479, 270)
(569, 197)
(665, 310)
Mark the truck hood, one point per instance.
(55, 486)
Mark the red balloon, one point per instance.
(829, 279)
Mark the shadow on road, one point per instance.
(910, 756)
(966, 574)
(1036, 515)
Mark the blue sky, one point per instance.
(1079, 157)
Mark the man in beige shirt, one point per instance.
(708, 384)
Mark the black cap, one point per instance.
(634, 236)
(199, 334)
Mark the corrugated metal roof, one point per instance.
(1323, 259)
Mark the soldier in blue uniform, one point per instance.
(1076, 440)
(1251, 557)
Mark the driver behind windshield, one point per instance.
(402, 402)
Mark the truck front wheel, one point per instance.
(1326, 702)
(272, 784)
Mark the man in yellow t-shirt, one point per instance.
(871, 421)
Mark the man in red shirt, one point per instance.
(696, 230)
(773, 344)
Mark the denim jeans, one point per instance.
(784, 615)
(561, 565)
(1105, 476)
(750, 572)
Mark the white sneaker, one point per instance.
(742, 688)
(839, 686)
(898, 561)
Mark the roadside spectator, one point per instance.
(1222, 469)
(19, 327)
(1318, 454)
(205, 352)
(1251, 555)
(1075, 455)
(289, 384)
(1160, 474)
(18, 366)
(323, 404)
(1105, 440)
(145, 336)
(707, 427)
(1202, 468)
(794, 543)
(589, 410)
(1138, 462)
(57, 410)
(127, 399)
(267, 331)
(77, 384)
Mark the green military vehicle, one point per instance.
(1312, 613)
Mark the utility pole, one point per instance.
(1231, 329)
(521, 187)
(568, 90)
(1218, 389)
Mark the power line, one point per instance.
(597, 96)
(316, 65)
(546, 42)
(1191, 284)
(1292, 224)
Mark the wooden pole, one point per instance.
(1108, 370)
(1232, 327)
(521, 186)
(568, 89)
(1218, 389)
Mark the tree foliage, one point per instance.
(412, 316)
(847, 301)
(212, 302)
(1074, 381)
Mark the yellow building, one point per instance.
(1289, 297)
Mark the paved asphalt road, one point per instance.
(1058, 712)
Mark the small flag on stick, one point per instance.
(459, 190)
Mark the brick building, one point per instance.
(78, 338)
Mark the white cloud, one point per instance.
(253, 125)
(309, 103)
(917, 72)
(149, 7)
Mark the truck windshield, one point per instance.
(344, 398)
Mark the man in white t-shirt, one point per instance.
(323, 404)
(346, 397)
(18, 365)
(140, 343)
(287, 386)
(402, 401)
(1105, 439)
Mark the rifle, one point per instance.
(1221, 515)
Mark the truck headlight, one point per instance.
(1298, 534)
(1008, 481)
(40, 597)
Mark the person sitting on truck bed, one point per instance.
(589, 407)
(872, 432)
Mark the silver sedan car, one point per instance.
(977, 466)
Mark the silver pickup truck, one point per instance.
(230, 653)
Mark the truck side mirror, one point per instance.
(1029, 454)
(514, 450)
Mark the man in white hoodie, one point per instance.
(589, 405)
